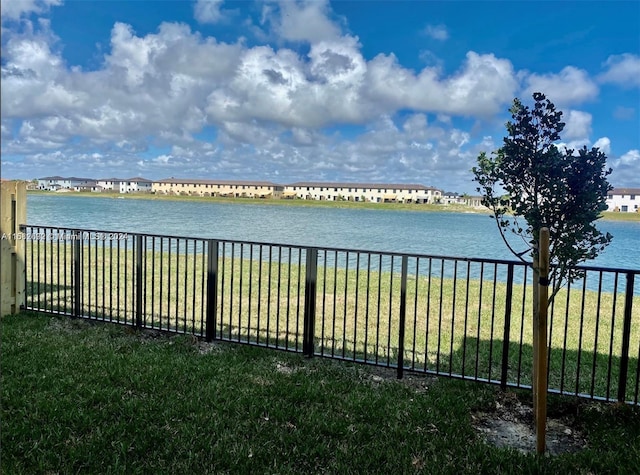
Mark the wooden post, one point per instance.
(540, 328)
(13, 213)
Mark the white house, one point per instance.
(126, 185)
(55, 183)
(451, 197)
(625, 200)
(135, 184)
(109, 184)
(90, 185)
(374, 192)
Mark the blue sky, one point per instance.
(367, 91)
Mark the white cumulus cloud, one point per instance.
(626, 169)
(208, 11)
(14, 9)
(568, 87)
(303, 21)
(623, 69)
(604, 144)
(577, 125)
(482, 86)
(437, 32)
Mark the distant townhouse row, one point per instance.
(119, 185)
(322, 191)
(618, 200)
(222, 188)
(371, 192)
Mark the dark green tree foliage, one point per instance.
(530, 179)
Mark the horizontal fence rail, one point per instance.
(446, 316)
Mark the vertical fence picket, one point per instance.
(626, 333)
(139, 272)
(507, 329)
(77, 273)
(403, 316)
(310, 286)
(212, 289)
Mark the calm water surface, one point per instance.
(447, 234)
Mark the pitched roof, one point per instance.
(65, 178)
(402, 186)
(215, 182)
(625, 191)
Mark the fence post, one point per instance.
(13, 213)
(626, 333)
(139, 295)
(540, 329)
(77, 273)
(212, 289)
(311, 278)
(403, 316)
(507, 329)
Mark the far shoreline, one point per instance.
(413, 207)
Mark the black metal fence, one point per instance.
(447, 316)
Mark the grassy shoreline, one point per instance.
(426, 208)
(279, 202)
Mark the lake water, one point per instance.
(433, 233)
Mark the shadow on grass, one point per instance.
(571, 372)
(34, 289)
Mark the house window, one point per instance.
(633, 197)
(625, 208)
(335, 189)
(610, 197)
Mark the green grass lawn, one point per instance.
(79, 397)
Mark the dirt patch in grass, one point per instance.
(510, 424)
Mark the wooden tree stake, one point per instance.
(540, 338)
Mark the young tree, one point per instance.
(530, 179)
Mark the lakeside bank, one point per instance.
(414, 207)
